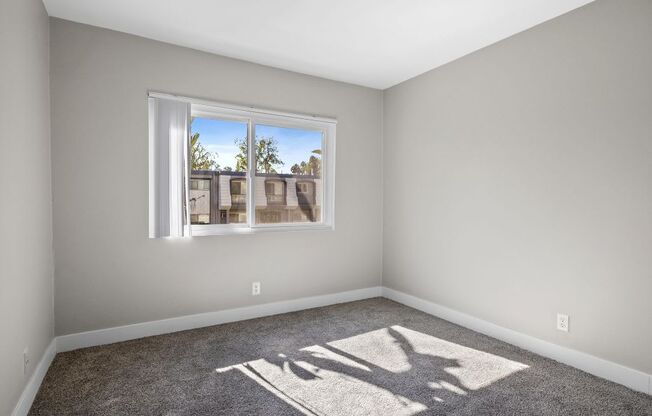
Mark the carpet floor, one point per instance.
(371, 357)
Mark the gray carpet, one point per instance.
(372, 357)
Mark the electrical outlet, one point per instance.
(562, 322)
(25, 360)
(255, 288)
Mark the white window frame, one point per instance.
(254, 116)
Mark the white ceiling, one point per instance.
(374, 43)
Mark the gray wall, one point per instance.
(25, 194)
(107, 271)
(518, 182)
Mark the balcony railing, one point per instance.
(238, 199)
(275, 199)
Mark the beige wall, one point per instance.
(108, 272)
(518, 182)
(25, 194)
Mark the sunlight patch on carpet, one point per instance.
(385, 371)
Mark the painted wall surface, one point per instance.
(518, 182)
(26, 305)
(108, 272)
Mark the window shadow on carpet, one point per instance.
(392, 370)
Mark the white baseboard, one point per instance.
(182, 323)
(29, 392)
(617, 373)
(631, 378)
(124, 333)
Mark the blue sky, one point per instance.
(294, 145)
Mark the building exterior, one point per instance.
(220, 197)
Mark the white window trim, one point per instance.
(254, 116)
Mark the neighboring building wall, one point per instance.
(222, 209)
(26, 305)
(108, 272)
(291, 198)
(519, 182)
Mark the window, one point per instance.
(275, 192)
(238, 187)
(306, 193)
(287, 155)
(200, 184)
(244, 170)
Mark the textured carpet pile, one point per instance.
(372, 357)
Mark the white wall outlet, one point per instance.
(25, 360)
(255, 288)
(562, 322)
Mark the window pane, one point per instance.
(288, 175)
(218, 184)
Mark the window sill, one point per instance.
(223, 229)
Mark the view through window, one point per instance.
(218, 183)
(287, 184)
